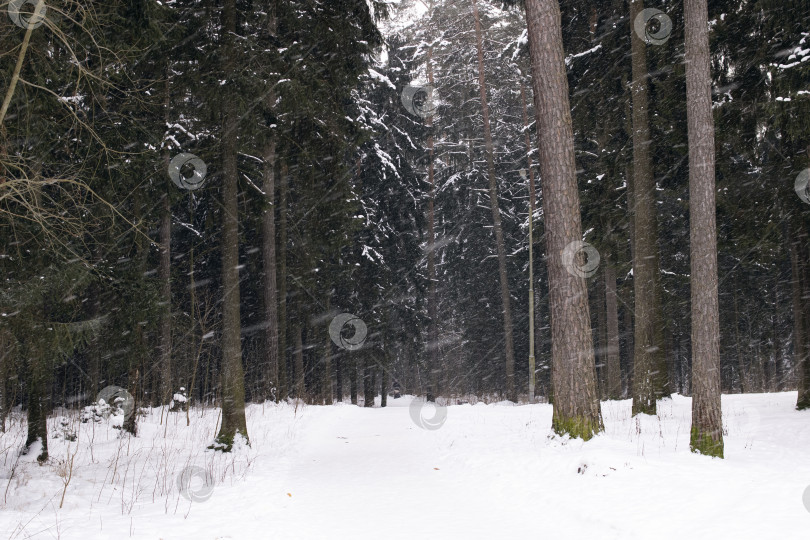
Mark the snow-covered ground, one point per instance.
(488, 472)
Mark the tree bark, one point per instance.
(576, 405)
(433, 332)
(509, 349)
(738, 350)
(532, 204)
(801, 347)
(339, 378)
(776, 371)
(326, 366)
(352, 364)
(707, 424)
(614, 368)
(384, 374)
(601, 335)
(39, 393)
(648, 368)
(233, 380)
(270, 290)
(283, 378)
(165, 277)
(368, 378)
(300, 383)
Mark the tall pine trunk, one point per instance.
(613, 367)
(327, 396)
(801, 325)
(433, 332)
(283, 377)
(576, 405)
(368, 377)
(164, 271)
(601, 335)
(233, 380)
(707, 423)
(270, 289)
(352, 364)
(299, 377)
(533, 320)
(648, 366)
(509, 349)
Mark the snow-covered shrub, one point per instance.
(101, 410)
(64, 430)
(179, 401)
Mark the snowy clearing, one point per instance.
(490, 471)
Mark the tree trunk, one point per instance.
(270, 331)
(39, 393)
(326, 367)
(613, 368)
(601, 335)
(339, 378)
(94, 351)
(140, 342)
(164, 271)
(737, 339)
(233, 380)
(385, 383)
(627, 383)
(707, 423)
(532, 203)
(283, 378)
(509, 349)
(352, 362)
(433, 332)
(300, 383)
(648, 365)
(775, 364)
(39, 386)
(576, 405)
(368, 378)
(801, 347)
(270, 290)
(5, 368)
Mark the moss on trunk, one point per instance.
(576, 427)
(704, 443)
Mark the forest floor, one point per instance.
(488, 472)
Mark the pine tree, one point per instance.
(707, 426)
(509, 343)
(576, 404)
(233, 384)
(647, 356)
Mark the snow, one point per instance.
(488, 471)
(377, 76)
